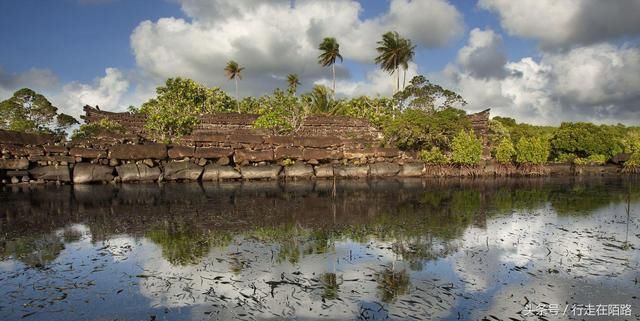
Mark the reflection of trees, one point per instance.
(33, 250)
(330, 285)
(183, 245)
(392, 284)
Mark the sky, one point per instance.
(538, 61)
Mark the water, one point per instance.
(411, 249)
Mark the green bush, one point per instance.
(505, 151)
(416, 129)
(631, 141)
(532, 151)
(591, 160)
(633, 163)
(466, 149)
(586, 139)
(565, 158)
(434, 156)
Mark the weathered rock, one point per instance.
(87, 152)
(246, 138)
(323, 171)
(134, 152)
(288, 152)
(411, 170)
(321, 154)
(213, 172)
(25, 179)
(279, 140)
(148, 162)
(182, 171)
(223, 161)
(317, 142)
(386, 152)
(252, 155)
(202, 161)
(384, 169)
(55, 149)
(51, 173)
(54, 158)
(298, 171)
(260, 172)
(137, 172)
(620, 158)
(358, 153)
(113, 162)
(19, 173)
(560, 169)
(178, 152)
(89, 173)
(213, 152)
(356, 171)
(14, 163)
(15, 180)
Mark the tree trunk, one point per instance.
(404, 79)
(237, 101)
(333, 69)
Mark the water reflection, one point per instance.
(407, 249)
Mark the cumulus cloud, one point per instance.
(593, 83)
(41, 80)
(484, 55)
(562, 24)
(110, 91)
(377, 82)
(272, 38)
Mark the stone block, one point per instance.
(317, 142)
(55, 149)
(179, 152)
(298, 171)
(213, 152)
(321, 154)
(354, 171)
(182, 171)
(323, 171)
(384, 169)
(288, 152)
(242, 155)
(279, 140)
(135, 152)
(51, 173)
(214, 172)
(358, 153)
(386, 152)
(84, 173)
(411, 170)
(260, 172)
(14, 163)
(87, 152)
(138, 172)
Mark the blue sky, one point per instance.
(514, 58)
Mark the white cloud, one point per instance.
(41, 80)
(594, 83)
(272, 39)
(484, 56)
(109, 91)
(377, 82)
(565, 23)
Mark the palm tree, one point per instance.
(391, 50)
(408, 53)
(293, 82)
(233, 71)
(330, 52)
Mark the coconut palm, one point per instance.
(391, 50)
(233, 72)
(330, 53)
(407, 55)
(293, 82)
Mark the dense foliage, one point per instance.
(175, 110)
(586, 139)
(31, 112)
(416, 129)
(433, 156)
(466, 149)
(532, 151)
(101, 128)
(505, 151)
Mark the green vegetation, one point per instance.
(101, 128)
(586, 139)
(233, 72)
(330, 52)
(433, 157)
(466, 149)
(31, 112)
(532, 151)
(505, 151)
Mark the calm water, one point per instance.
(409, 249)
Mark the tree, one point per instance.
(319, 100)
(31, 112)
(176, 109)
(293, 82)
(466, 149)
(424, 95)
(233, 72)
(408, 53)
(392, 50)
(330, 53)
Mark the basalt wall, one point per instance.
(39, 159)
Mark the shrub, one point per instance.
(565, 158)
(434, 156)
(631, 141)
(633, 163)
(466, 149)
(532, 151)
(416, 129)
(586, 139)
(505, 151)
